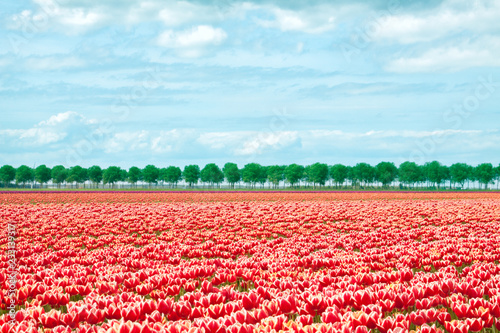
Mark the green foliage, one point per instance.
(276, 173)
(59, 174)
(43, 174)
(7, 174)
(231, 173)
(95, 174)
(112, 175)
(386, 172)
(318, 173)
(484, 173)
(191, 174)
(409, 173)
(24, 174)
(338, 173)
(212, 174)
(150, 174)
(172, 175)
(134, 174)
(364, 172)
(460, 172)
(77, 174)
(435, 172)
(294, 173)
(252, 173)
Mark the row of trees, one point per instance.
(408, 174)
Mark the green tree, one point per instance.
(364, 172)
(24, 174)
(59, 174)
(111, 175)
(150, 174)
(77, 174)
(43, 174)
(211, 174)
(338, 173)
(294, 173)
(435, 172)
(484, 173)
(351, 176)
(134, 174)
(275, 174)
(409, 173)
(95, 174)
(7, 174)
(459, 173)
(319, 173)
(173, 175)
(231, 173)
(252, 173)
(386, 172)
(191, 174)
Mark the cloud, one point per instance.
(57, 129)
(192, 42)
(311, 20)
(450, 18)
(479, 53)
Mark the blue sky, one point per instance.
(135, 82)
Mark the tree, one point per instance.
(211, 174)
(459, 173)
(435, 172)
(150, 174)
(95, 174)
(338, 173)
(231, 173)
(7, 174)
(351, 176)
(318, 173)
(24, 174)
(409, 173)
(43, 174)
(364, 172)
(77, 174)
(191, 174)
(252, 173)
(275, 174)
(294, 173)
(111, 175)
(484, 173)
(134, 174)
(386, 172)
(173, 175)
(59, 174)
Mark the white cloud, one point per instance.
(314, 20)
(483, 52)
(128, 141)
(451, 17)
(54, 130)
(172, 141)
(192, 42)
(265, 142)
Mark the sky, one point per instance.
(137, 82)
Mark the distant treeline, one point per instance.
(362, 175)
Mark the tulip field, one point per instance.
(250, 262)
